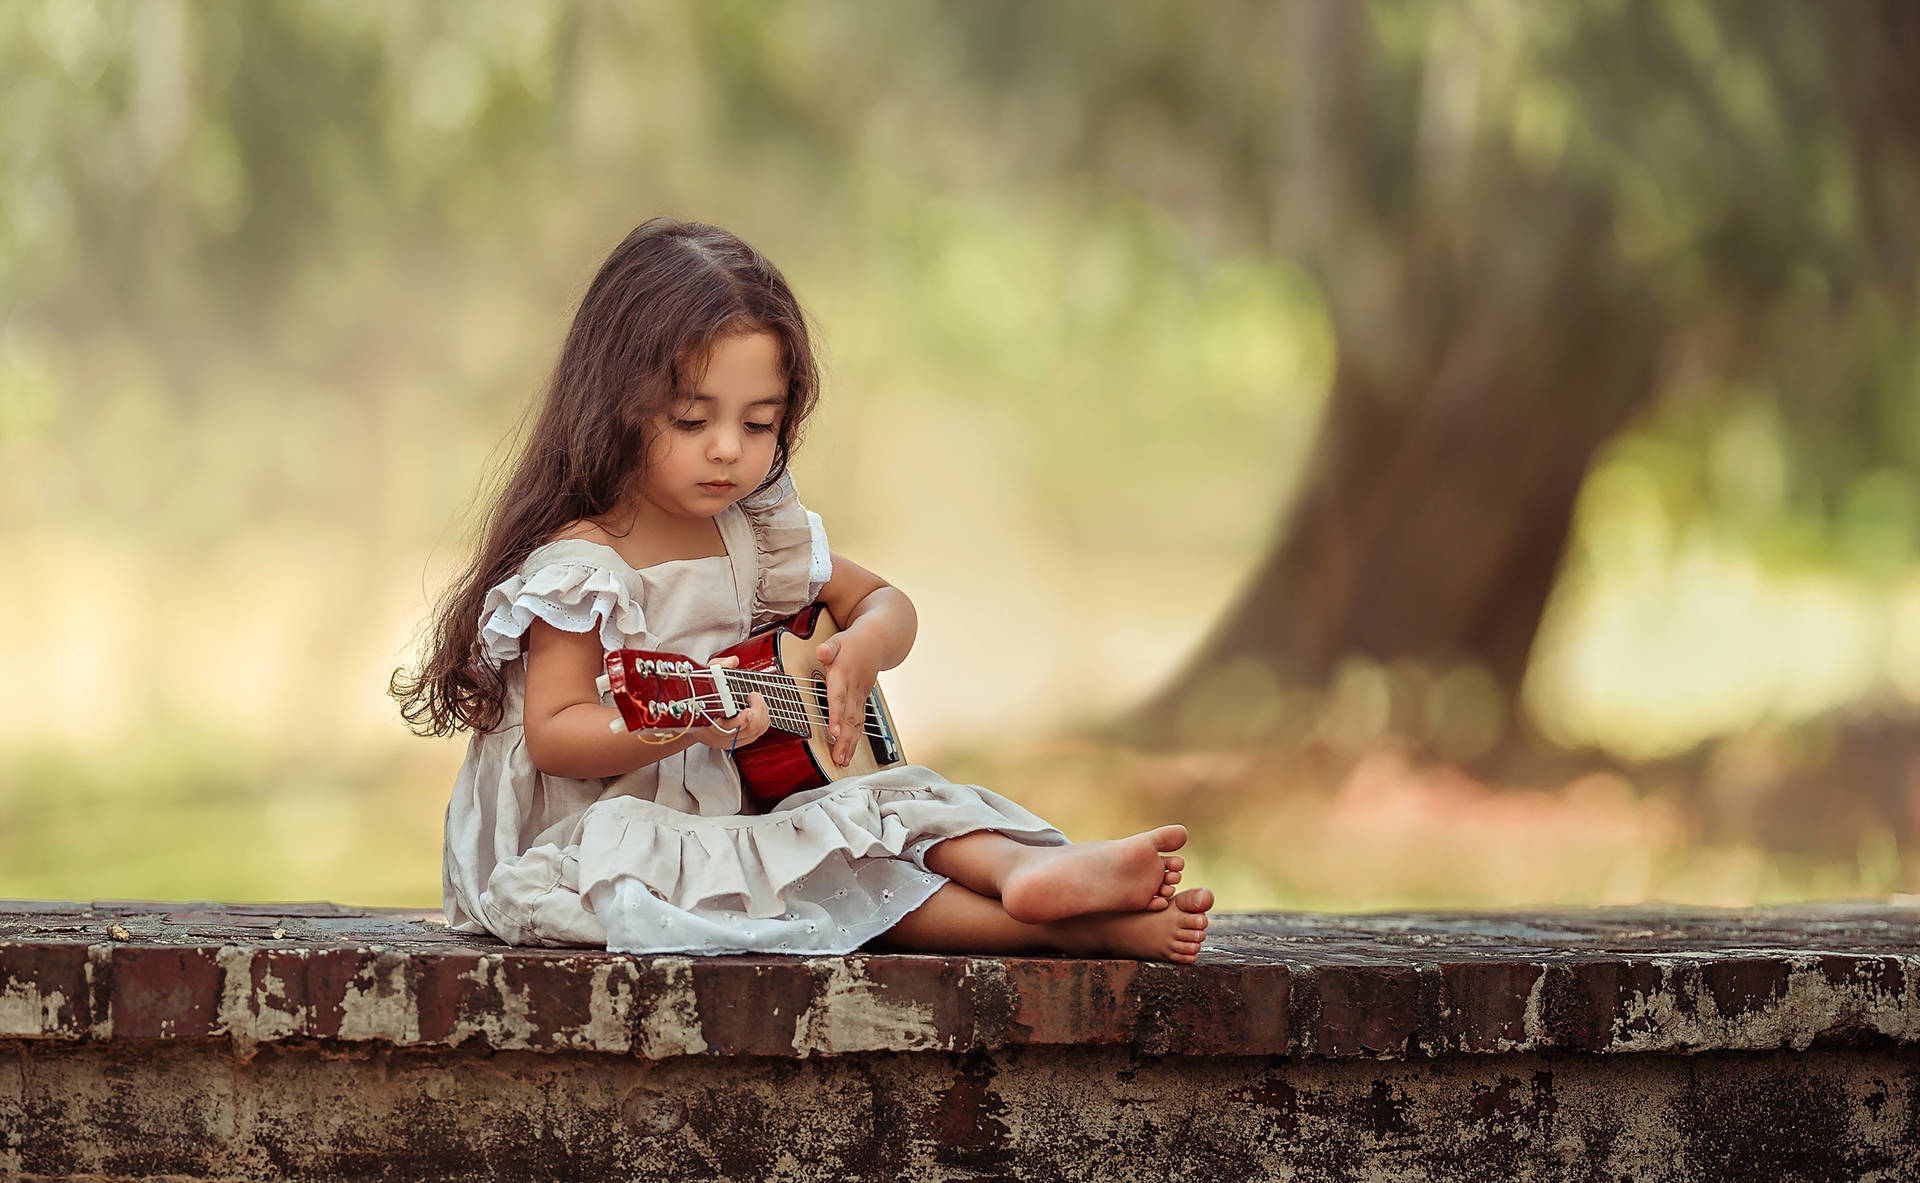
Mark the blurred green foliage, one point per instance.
(277, 280)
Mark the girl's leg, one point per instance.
(958, 920)
(1042, 883)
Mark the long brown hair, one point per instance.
(640, 341)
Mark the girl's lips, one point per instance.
(717, 486)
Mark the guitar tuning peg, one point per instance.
(603, 684)
(617, 725)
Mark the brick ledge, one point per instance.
(1307, 985)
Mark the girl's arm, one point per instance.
(568, 732)
(877, 626)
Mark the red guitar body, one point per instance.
(778, 661)
(779, 763)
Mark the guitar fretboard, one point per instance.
(787, 708)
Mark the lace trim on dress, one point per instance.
(790, 546)
(576, 597)
(820, 564)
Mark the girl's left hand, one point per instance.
(851, 667)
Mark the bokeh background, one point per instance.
(1452, 454)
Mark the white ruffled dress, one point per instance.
(661, 860)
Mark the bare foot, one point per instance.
(1169, 881)
(1172, 934)
(1080, 878)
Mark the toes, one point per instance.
(1169, 838)
(1166, 891)
(1159, 903)
(1175, 863)
(1194, 899)
(1168, 880)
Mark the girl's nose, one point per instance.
(725, 445)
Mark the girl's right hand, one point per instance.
(752, 722)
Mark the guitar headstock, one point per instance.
(653, 691)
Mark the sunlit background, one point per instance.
(277, 282)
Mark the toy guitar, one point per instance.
(665, 693)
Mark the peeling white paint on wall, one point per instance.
(1809, 1005)
(507, 1023)
(1530, 1020)
(609, 1010)
(851, 1015)
(379, 1002)
(24, 1010)
(247, 1017)
(100, 967)
(671, 1026)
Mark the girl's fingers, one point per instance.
(825, 653)
(747, 724)
(843, 750)
(840, 706)
(846, 710)
(836, 719)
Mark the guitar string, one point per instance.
(806, 728)
(783, 708)
(763, 677)
(809, 721)
(773, 685)
(812, 720)
(770, 681)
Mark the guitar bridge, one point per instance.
(886, 749)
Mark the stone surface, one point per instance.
(374, 1112)
(266, 1041)
(1388, 986)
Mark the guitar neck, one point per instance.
(789, 707)
(656, 690)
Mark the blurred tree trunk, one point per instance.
(1488, 343)
(1441, 490)
(1491, 334)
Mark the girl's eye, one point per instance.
(762, 427)
(689, 424)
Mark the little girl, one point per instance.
(651, 509)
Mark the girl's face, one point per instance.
(714, 448)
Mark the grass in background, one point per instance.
(197, 818)
(191, 818)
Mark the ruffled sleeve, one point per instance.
(791, 558)
(570, 592)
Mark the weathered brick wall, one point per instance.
(262, 1041)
